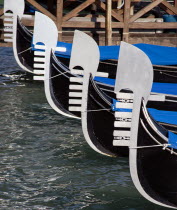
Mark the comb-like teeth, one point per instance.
(122, 124)
(8, 35)
(8, 19)
(121, 133)
(40, 47)
(38, 71)
(124, 105)
(75, 87)
(38, 59)
(76, 79)
(75, 94)
(8, 14)
(123, 114)
(8, 25)
(78, 72)
(8, 29)
(75, 101)
(8, 40)
(75, 108)
(124, 95)
(39, 65)
(121, 143)
(39, 53)
(38, 78)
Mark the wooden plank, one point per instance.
(175, 3)
(145, 10)
(108, 23)
(75, 11)
(78, 24)
(114, 14)
(170, 7)
(155, 25)
(41, 9)
(59, 18)
(127, 5)
(166, 9)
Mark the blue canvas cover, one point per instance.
(113, 107)
(159, 55)
(169, 117)
(172, 140)
(164, 88)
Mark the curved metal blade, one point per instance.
(134, 71)
(85, 53)
(17, 7)
(45, 31)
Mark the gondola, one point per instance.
(63, 88)
(24, 51)
(18, 34)
(58, 76)
(152, 148)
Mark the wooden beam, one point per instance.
(108, 23)
(117, 25)
(155, 25)
(114, 14)
(170, 7)
(75, 11)
(166, 9)
(127, 5)
(145, 10)
(59, 18)
(41, 9)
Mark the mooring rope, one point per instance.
(24, 50)
(56, 75)
(96, 110)
(150, 146)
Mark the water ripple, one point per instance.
(45, 160)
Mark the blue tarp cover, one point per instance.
(113, 107)
(169, 117)
(165, 88)
(172, 140)
(159, 55)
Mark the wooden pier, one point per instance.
(109, 21)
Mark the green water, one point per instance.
(45, 162)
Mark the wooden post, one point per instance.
(59, 18)
(175, 3)
(109, 22)
(125, 36)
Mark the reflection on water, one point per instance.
(45, 162)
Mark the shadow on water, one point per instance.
(45, 162)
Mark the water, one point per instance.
(45, 163)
